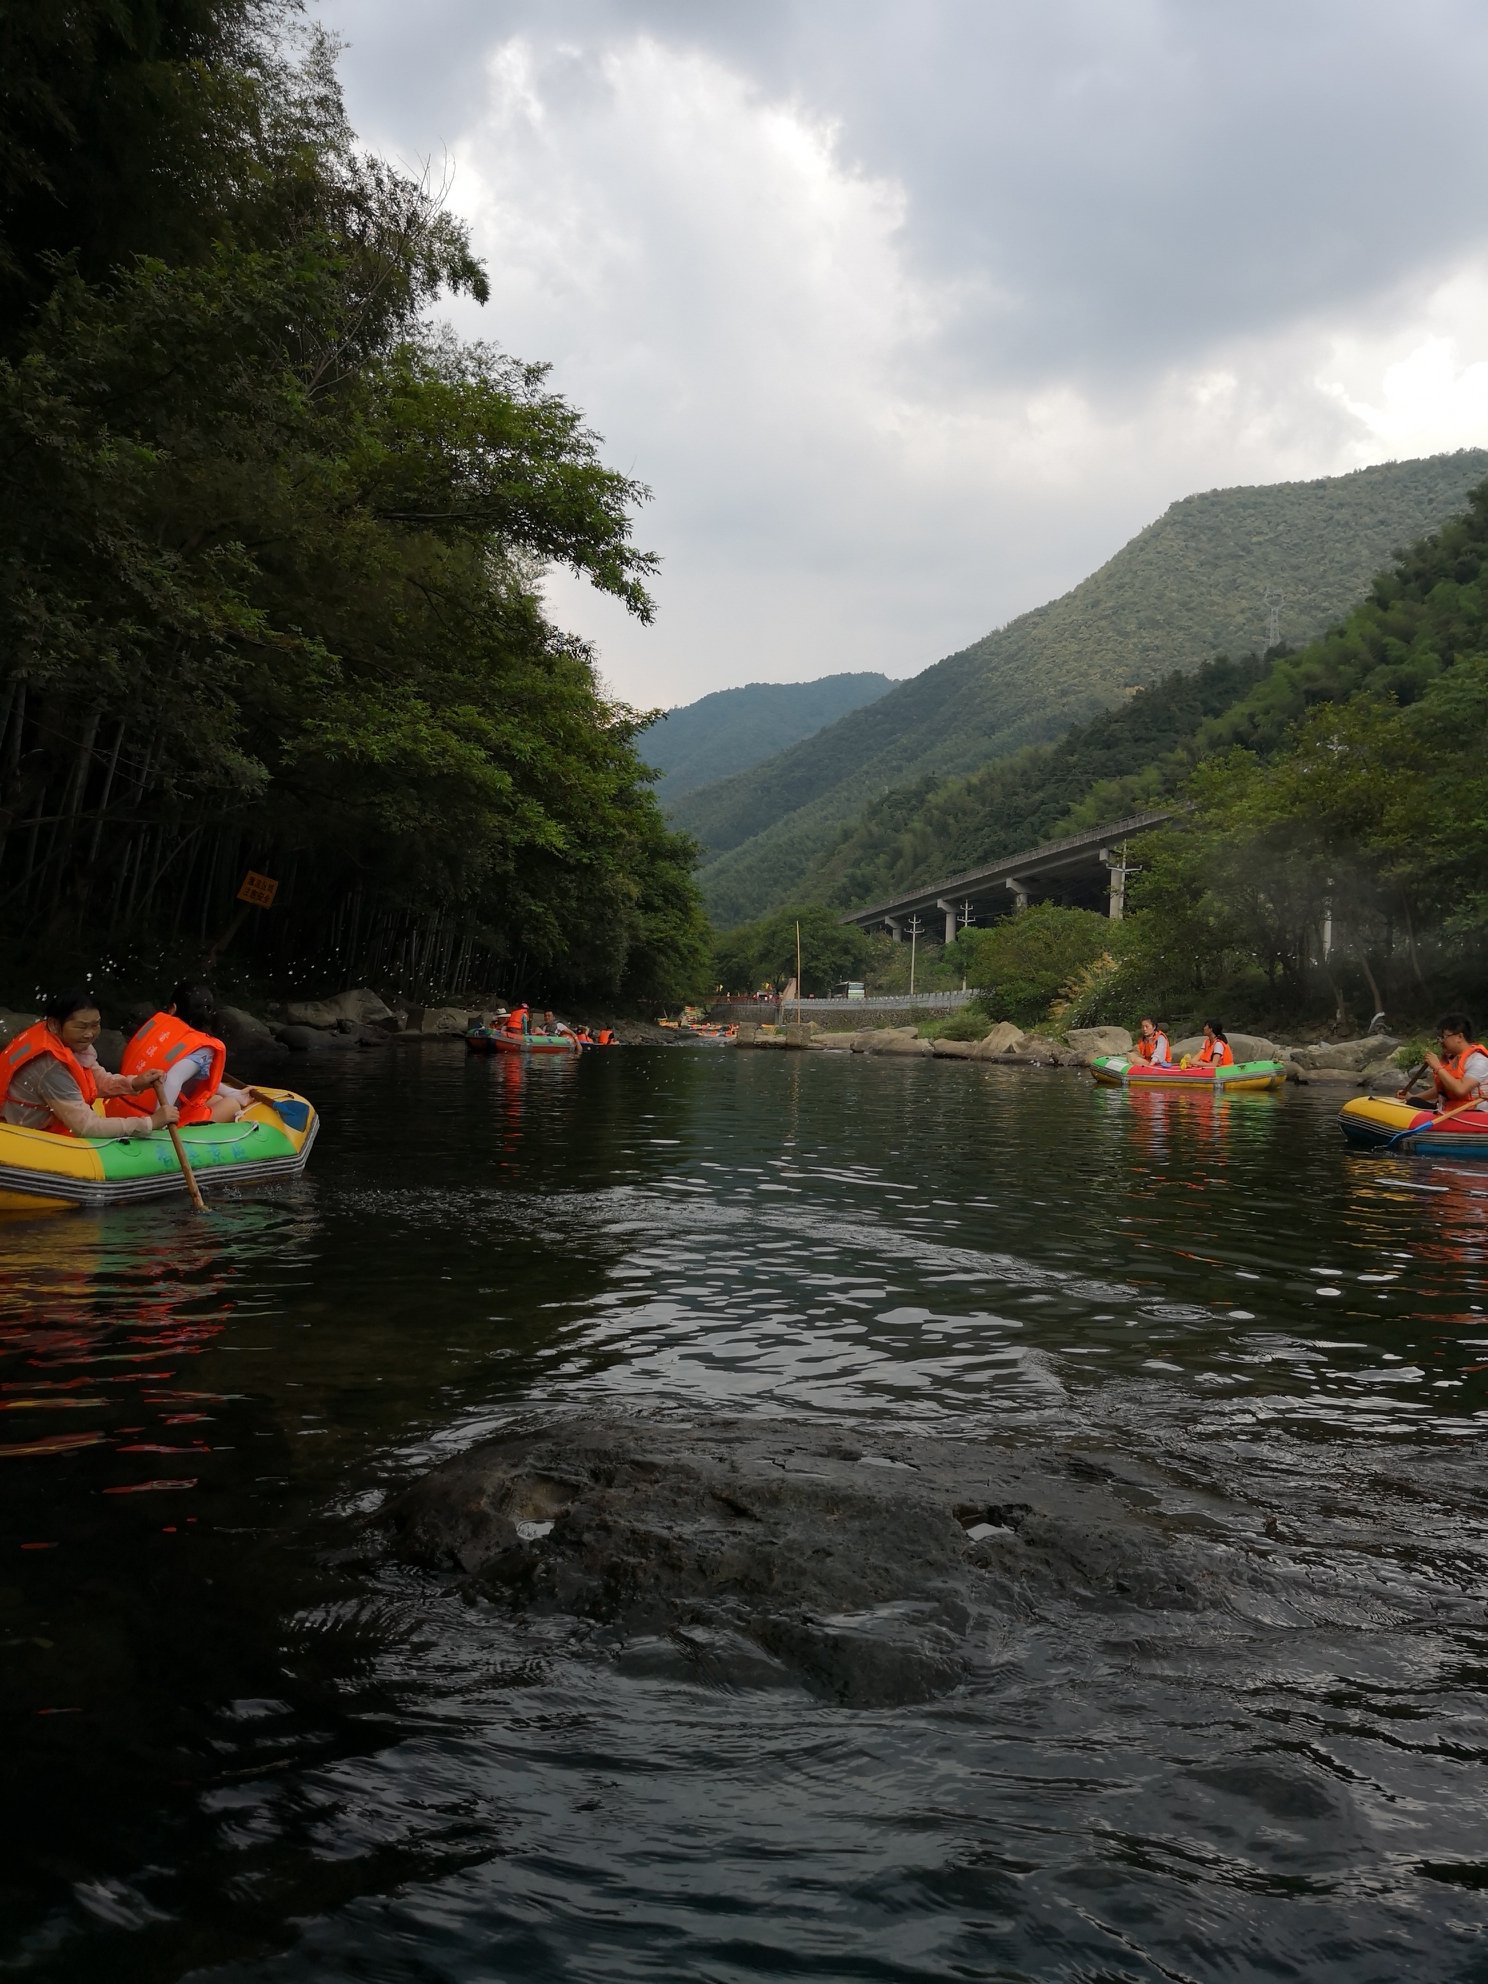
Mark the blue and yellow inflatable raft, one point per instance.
(1373, 1122)
(40, 1172)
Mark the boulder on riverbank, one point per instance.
(358, 1008)
(873, 1568)
(1092, 1040)
(1354, 1056)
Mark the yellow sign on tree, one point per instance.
(258, 890)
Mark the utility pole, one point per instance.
(1117, 864)
(915, 928)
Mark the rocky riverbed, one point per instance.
(873, 1572)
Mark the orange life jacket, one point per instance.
(1216, 1054)
(1454, 1065)
(604, 1038)
(1148, 1048)
(160, 1043)
(517, 1022)
(40, 1039)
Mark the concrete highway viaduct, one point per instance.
(1086, 869)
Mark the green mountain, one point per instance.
(1191, 585)
(735, 728)
(1128, 756)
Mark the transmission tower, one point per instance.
(1273, 603)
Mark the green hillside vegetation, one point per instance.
(1333, 852)
(267, 598)
(1189, 586)
(919, 833)
(735, 728)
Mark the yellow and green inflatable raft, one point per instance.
(41, 1172)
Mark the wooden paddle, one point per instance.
(1419, 1129)
(181, 1158)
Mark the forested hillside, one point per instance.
(735, 728)
(917, 833)
(268, 587)
(1189, 586)
(1336, 837)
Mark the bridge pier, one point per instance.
(950, 917)
(1020, 892)
(894, 925)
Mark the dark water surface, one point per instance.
(241, 1746)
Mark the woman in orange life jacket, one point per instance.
(1215, 1052)
(1152, 1045)
(50, 1077)
(1460, 1072)
(193, 1059)
(517, 1020)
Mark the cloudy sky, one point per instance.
(911, 312)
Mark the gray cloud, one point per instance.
(911, 311)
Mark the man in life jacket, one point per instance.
(1152, 1045)
(1460, 1072)
(1215, 1052)
(517, 1020)
(177, 1042)
(50, 1077)
(604, 1037)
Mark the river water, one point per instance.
(245, 1746)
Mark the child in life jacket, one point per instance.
(1459, 1073)
(1152, 1045)
(1215, 1052)
(193, 1059)
(50, 1077)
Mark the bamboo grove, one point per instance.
(272, 551)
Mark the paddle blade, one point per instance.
(293, 1113)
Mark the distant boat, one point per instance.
(496, 1040)
(1120, 1071)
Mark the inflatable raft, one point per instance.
(1370, 1122)
(1245, 1077)
(496, 1040)
(41, 1172)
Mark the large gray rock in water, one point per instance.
(872, 1568)
(1100, 1040)
(1353, 1055)
(1005, 1038)
(892, 1040)
(360, 1007)
(234, 1023)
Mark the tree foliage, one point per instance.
(1025, 961)
(761, 955)
(268, 588)
(1337, 848)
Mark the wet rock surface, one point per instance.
(774, 1552)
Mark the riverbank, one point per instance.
(1369, 1061)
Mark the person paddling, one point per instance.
(1152, 1044)
(1460, 1072)
(1215, 1052)
(192, 1059)
(50, 1077)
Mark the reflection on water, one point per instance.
(244, 1747)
